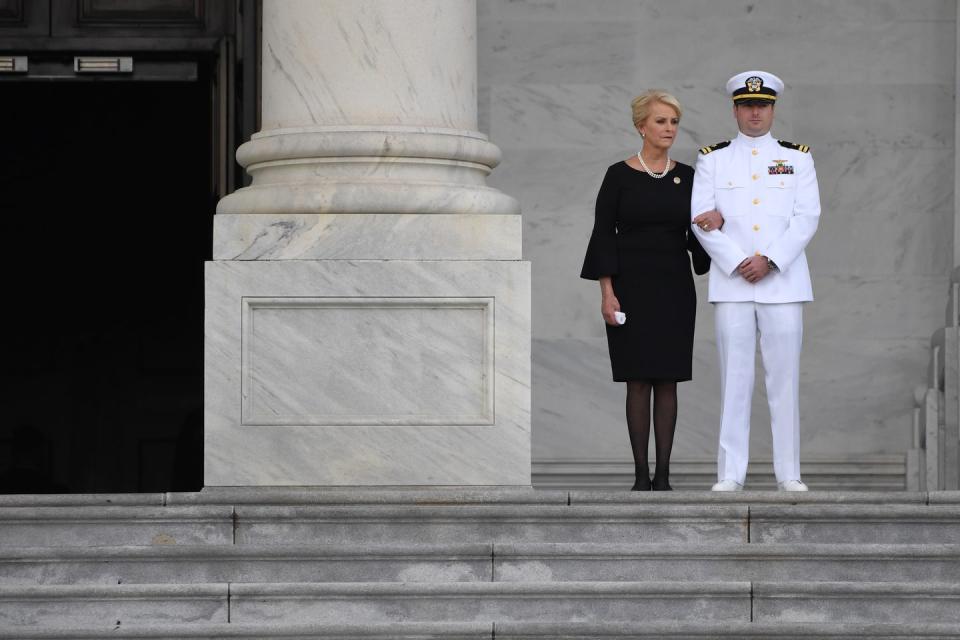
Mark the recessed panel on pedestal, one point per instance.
(323, 361)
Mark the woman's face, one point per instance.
(660, 127)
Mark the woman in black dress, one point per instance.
(639, 253)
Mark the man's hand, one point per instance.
(754, 269)
(709, 220)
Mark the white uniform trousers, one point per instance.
(781, 334)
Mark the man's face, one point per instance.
(754, 119)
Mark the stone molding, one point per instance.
(367, 236)
(364, 169)
(472, 350)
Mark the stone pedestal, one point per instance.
(368, 313)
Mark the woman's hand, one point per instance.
(709, 220)
(609, 305)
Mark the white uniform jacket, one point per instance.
(768, 196)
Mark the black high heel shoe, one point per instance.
(661, 484)
(643, 479)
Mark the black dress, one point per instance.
(641, 238)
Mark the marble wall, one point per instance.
(869, 86)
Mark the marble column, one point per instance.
(368, 311)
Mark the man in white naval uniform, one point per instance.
(766, 191)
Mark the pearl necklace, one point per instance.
(643, 164)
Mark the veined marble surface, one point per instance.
(556, 80)
(690, 41)
(705, 11)
(420, 361)
(395, 63)
(366, 237)
(421, 418)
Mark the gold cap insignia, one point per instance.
(754, 83)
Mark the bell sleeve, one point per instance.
(601, 259)
(701, 259)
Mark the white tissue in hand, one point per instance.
(620, 317)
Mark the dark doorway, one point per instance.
(107, 198)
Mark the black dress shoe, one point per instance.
(661, 485)
(642, 484)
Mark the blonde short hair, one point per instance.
(642, 103)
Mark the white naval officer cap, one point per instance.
(754, 86)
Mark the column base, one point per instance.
(368, 170)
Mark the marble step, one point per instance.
(208, 631)
(573, 601)
(530, 562)
(732, 630)
(499, 631)
(140, 525)
(772, 562)
(825, 523)
(307, 496)
(284, 603)
(454, 496)
(324, 603)
(600, 523)
(113, 605)
(82, 500)
(468, 495)
(751, 498)
(599, 602)
(889, 602)
(98, 525)
(847, 524)
(247, 563)
(480, 601)
(490, 523)
(943, 497)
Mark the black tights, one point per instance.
(664, 425)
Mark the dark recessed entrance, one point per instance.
(118, 126)
(107, 203)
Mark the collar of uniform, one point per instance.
(751, 142)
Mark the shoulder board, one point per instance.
(793, 145)
(714, 147)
